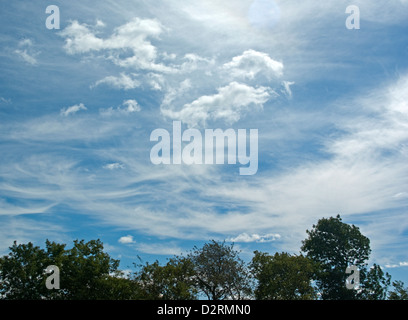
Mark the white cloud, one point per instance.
(131, 106)
(155, 80)
(401, 264)
(73, 109)
(14, 210)
(288, 91)
(401, 195)
(127, 107)
(177, 91)
(382, 128)
(228, 105)
(124, 81)
(25, 42)
(27, 57)
(126, 239)
(244, 237)
(251, 63)
(113, 166)
(303, 193)
(80, 39)
(130, 37)
(193, 62)
(27, 54)
(100, 23)
(5, 101)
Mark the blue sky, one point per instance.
(78, 104)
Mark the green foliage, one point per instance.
(399, 292)
(334, 246)
(283, 277)
(219, 271)
(86, 272)
(374, 284)
(85, 268)
(173, 281)
(21, 272)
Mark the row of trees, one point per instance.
(214, 271)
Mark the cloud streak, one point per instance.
(245, 237)
(72, 110)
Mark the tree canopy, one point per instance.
(214, 271)
(87, 271)
(219, 271)
(283, 276)
(335, 246)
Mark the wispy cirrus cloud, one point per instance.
(72, 109)
(114, 166)
(151, 248)
(245, 237)
(4, 100)
(398, 265)
(128, 106)
(26, 52)
(124, 81)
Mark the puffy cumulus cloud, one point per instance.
(245, 237)
(80, 39)
(131, 106)
(73, 109)
(236, 95)
(126, 239)
(187, 100)
(228, 104)
(251, 63)
(131, 37)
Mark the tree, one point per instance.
(173, 281)
(219, 271)
(86, 266)
(334, 246)
(399, 293)
(374, 284)
(87, 272)
(283, 277)
(22, 273)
